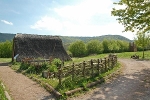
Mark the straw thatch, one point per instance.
(38, 46)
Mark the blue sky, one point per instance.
(60, 17)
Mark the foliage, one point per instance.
(143, 40)
(6, 49)
(78, 49)
(115, 46)
(2, 93)
(123, 46)
(134, 16)
(94, 47)
(56, 61)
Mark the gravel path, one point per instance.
(20, 87)
(133, 84)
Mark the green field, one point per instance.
(129, 54)
(119, 55)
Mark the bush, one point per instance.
(94, 47)
(54, 64)
(6, 49)
(78, 49)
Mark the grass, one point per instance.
(77, 60)
(5, 60)
(129, 54)
(2, 93)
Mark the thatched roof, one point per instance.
(38, 46)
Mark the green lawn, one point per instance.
(5, 60)
(120, 55)
(129, 54)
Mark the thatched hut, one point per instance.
(38, 46)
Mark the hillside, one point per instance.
(6, 36)
(70, 39)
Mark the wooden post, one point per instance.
(92, 67)
(116, 59)
(105, 64)
(108, 63)
(73, 71)
(59, 74)
(83, 72)
(112, 62)
(98, 66)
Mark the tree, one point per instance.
(123, 46)
(113, 46)
(6, 49)
(135, 16)
(78, 49)
(105, 46)
(94, 47)
(143, 41)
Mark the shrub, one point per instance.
(78, 49)
(6, 49)
(94, 47)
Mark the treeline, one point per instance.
(6, 49)
(80, 49)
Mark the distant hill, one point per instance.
(70, 39)
(6, 36)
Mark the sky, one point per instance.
(60, 17)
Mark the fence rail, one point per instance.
(86, 69)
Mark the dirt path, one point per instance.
(133, 84)
(20, 87)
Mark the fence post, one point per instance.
(92, 67)
(73, 71)
(116, 59)
(112, 62)
(98, 66)
(83, 72)
(59, 74)
(108, 63)
(105, 64)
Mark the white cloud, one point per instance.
(96, 30)
(7, 22)
(85, 10)
(47, 23)
(76, 20)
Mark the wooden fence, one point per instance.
(86, 69)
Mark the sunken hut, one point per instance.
(38, 46)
